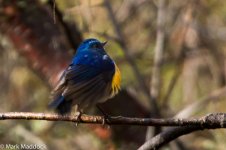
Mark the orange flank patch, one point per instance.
(116, 81)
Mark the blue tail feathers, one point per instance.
(61, 105)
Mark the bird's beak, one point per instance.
(104, 43)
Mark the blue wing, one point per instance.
(84, 83)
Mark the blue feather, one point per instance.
(56, 102)
(87, 80)
(94, 59)
(61, 105)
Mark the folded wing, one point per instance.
(83, 85)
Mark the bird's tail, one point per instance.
(61, 105)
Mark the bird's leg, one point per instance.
(78, 114)
(106, 116)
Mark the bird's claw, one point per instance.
(77, 118)
(106, 117)
(103, 121)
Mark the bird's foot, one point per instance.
(106, 117)
(78, 115)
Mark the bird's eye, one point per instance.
(96, 45)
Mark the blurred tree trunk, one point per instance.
(30, 26)
(48, 48)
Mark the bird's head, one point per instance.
(91, 44)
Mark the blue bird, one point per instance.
(91, 78)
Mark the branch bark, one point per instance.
(211, 121)
(167, 136)
(184, 126)
(207, 122)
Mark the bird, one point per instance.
(91, 78)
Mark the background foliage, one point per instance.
(34, 50)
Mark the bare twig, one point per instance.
(158, 57)
(211, 121)
(184, 23)
(124, 47)
(201, 104)
(122, 43)
(156, 73)
(167, 136)
(54, 11)
(68, 27)
(171, 86)
(216, 120)
(173, 133)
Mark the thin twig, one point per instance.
(183, 26)
(54, 11)
(172, 84)
(158, 57)
(69, 28)
(200, 104)
(122, 43)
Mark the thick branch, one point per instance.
(167, 136)
(211, 121)
(208, 122)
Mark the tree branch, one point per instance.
(211, 121)
(167, 136)
(184, 126)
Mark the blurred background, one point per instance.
(171, 55)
